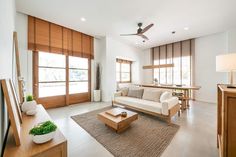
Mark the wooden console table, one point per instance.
(57, 147)
(185, 89)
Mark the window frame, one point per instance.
(59, 100)
(77, 80)
(120, 62)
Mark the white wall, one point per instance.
(206, 50)
(231, 40)
(147, 75)
(100, 58)
(7, 27)
(232, 44)
(25, 55)
(111, 50)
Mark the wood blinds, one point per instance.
(49, 37)
(178, 53)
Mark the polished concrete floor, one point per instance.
(195, 138)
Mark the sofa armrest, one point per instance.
(168, 104)
(116, 94)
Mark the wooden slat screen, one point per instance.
(50, 37)
(178, 53)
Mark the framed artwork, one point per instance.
(17, 102)
(12, 109)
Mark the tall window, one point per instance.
(78, 75)
(52, 74)
(123, 71)
(179, 54)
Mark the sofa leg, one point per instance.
(169, 120)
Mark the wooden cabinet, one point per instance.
(57, 147)
(226, 121)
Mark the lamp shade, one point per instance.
(226, 62)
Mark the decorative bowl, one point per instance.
(123, 114)
(39, 139)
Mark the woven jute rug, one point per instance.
(146, 137)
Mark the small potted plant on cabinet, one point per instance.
(43, 132)
(30, 105)
(97, 91)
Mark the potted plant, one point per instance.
(155, 81)
(43, 132)
(30, 105)
(97, 91)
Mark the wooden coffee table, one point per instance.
(117, 122)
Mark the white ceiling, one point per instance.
(114, 17)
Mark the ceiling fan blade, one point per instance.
(143, 36)
(147, 28)
(128, 34)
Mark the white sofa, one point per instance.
(164, 108)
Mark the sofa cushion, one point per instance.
(165, 95)
(151, 106)
(152, 94)
(135, 93)
(124, 91)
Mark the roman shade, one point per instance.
(49, 37)
(181, 55)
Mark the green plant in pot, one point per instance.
(43, 132)
(30, 105)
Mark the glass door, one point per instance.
(60, 80)
(79, 79)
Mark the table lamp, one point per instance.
(227, 63)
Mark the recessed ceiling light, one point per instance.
(186, 28)
(82, 19)
(173, 32)
(136, 43)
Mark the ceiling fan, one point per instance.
(140, 31)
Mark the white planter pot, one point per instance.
(43, 138)
(29, 107)
(97, 95)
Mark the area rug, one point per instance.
(146, 137)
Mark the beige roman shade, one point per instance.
(181, 55)
(50, 37)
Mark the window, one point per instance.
(180, 55)
(78, 75)
(123, 71)
(52, 74)
(52, 77)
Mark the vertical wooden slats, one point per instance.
(173, 53)
(86, 48)
(77, 44)
(42, 35)
(31, 33)
(56, 40)
(50, 37)
(92, 47)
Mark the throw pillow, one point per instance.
(136, 93)
(152, 94)
(124, 91)
(165, 95)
